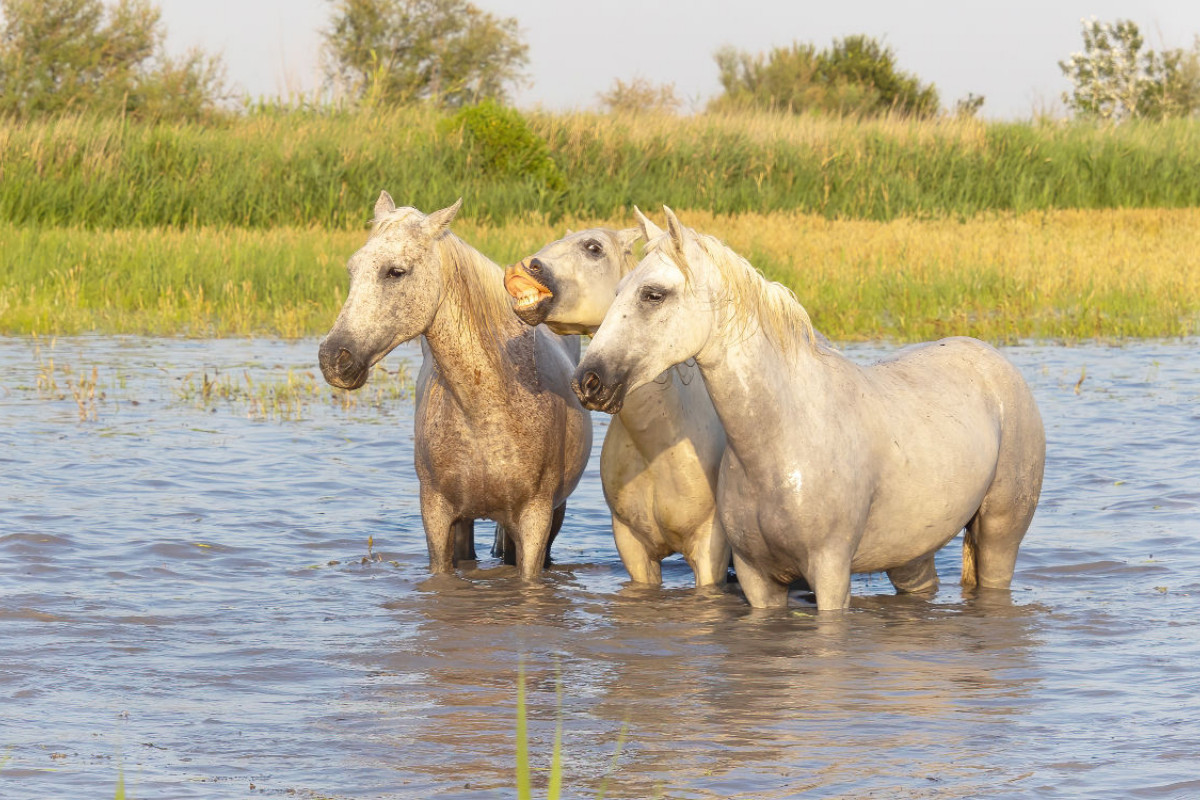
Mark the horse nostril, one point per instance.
(534, 266)
(344, 360)
(591, 383)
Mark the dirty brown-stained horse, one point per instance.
(499, 433)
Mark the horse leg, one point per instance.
(556, 523)
(464, 540)
(709, 557)
(829, 577)
(533, 538)
(990, 545)
(440, 533)
(918, 576)
(761, 590)
(503, 546)
(640, 565)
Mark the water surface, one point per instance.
(226, 595)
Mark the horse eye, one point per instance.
(654, 296)
(593, 247)
(396, 272)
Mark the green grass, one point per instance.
(1063, 275)
(302, 170)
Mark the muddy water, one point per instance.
(188, 598)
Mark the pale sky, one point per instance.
(1006, 51)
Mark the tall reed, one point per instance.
(323, 169)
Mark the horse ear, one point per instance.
(569, 232)
(649, 229)
(439, 221)
(675, 229)
(627, 237)
(384, 205)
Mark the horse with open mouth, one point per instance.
(662, 451)
(830, 468)
(499, 434)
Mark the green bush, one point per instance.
(500, 144)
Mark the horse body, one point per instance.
(830, 468)
(662, 452)
(498, 433)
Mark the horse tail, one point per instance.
(970, 554)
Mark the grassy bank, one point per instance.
(1059, 275)
(293, 170)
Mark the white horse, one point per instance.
(831, 468)
(662, 451)
(499, 434)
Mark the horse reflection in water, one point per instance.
(703, 696)
(499, 434)
(830, 468)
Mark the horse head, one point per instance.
(663, 314)
(396, 285)
(570, 283)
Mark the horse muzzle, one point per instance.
(528, 284)
(596, 393)
(340, 367)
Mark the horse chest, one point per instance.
(480, 468)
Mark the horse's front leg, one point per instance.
(532, 537)
(440, 529)
(709, 556)
(761, 590)
(829, 576)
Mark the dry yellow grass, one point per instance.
(1059, 275)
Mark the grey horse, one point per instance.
(499, 434)
(662, 451)
(831, 468)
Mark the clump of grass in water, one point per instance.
(83, 386)
(287, 399)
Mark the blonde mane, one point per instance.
(749, 298)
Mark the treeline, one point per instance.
(265, 170)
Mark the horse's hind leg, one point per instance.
(760, 589)
(992, 540)
(464, 540)
(918, 576)
(503, 546)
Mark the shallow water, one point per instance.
(187, 597)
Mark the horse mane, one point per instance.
(748, 296)
(476, 285)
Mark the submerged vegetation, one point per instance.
(256, 392)
(1057, 275)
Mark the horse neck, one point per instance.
(477, 364)
(759, 391)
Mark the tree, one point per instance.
(1116, 77)
(856, 75)
(76, 55)
(449, 52)
(640, 96)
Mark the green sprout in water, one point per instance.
(554, 783)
